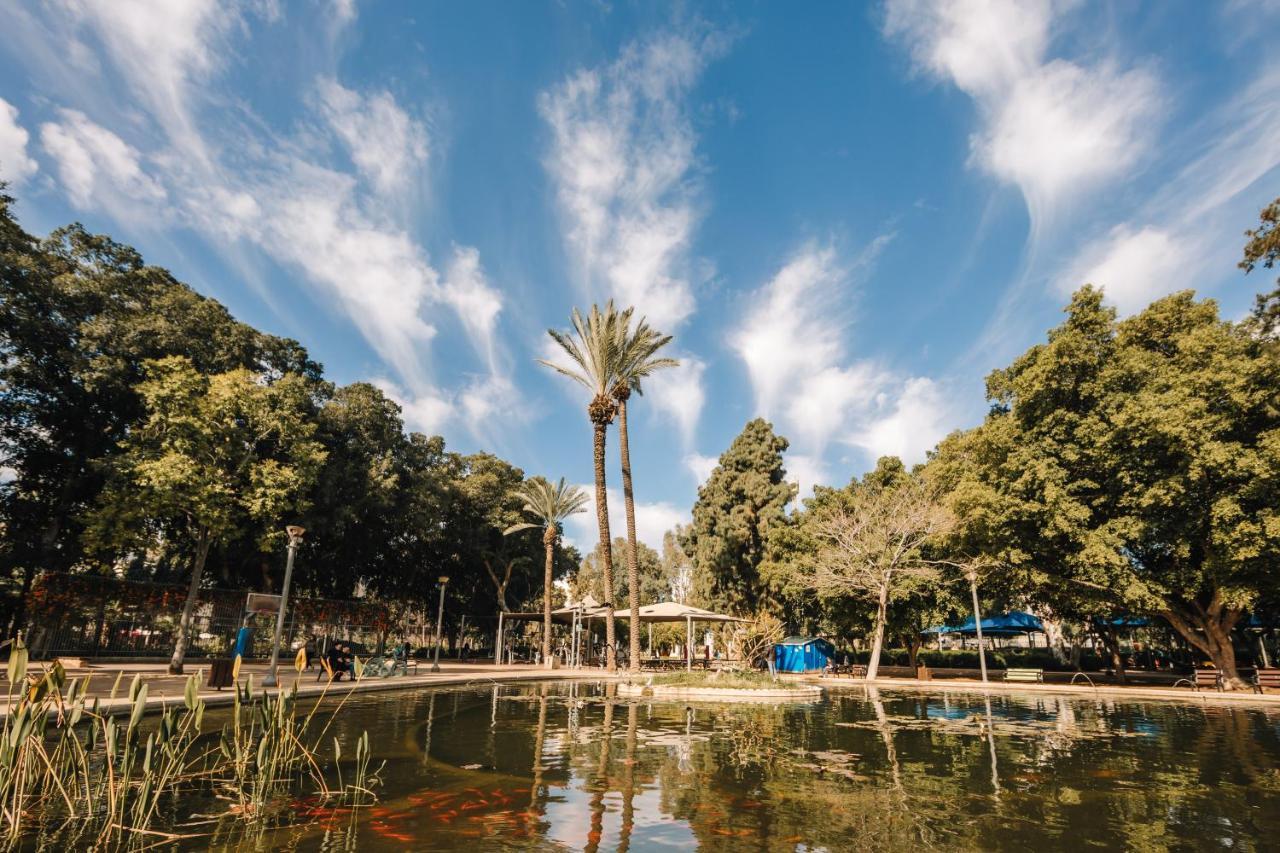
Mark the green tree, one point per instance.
(1264, 248)
(80, 315)
(592, 347)
(355, 517)
(637, 360)
(1140, 460)
(589, 577)
(745, 496)
(551, 505)
(871, 541)
(214, 452)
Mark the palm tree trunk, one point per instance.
(189, 606)
(606, 548)
(633, 566)
(549, 539)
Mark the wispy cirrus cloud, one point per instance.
(339, 219)
(623, 159)
(386, 144)
(1190, 226)
(624, 162)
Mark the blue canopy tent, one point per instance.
(1011, 624)
(802, 654)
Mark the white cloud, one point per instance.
(983, 45)
(95, 166)
(794, 342)
(825, 398)
(624, 163)
(427, 413)
(1134, 267)
(701, 466)
(491, 403)
(911, 425)
(15, 165)
(312, 218)
(679, 395)
(808, 471)
(1063, 129)
(1054, 128)
(652, 520)
(1190, 227)
(386, 144)
(795, 325)
(476, 302)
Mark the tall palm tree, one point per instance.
(636, 360)
(592, 347)
(551, 505)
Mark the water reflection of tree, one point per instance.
(1022, 774)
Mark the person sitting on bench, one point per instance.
(337, 661)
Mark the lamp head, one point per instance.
(295, 533)
(443, 579)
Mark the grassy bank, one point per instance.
(724, 680)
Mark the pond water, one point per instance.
(564, 766)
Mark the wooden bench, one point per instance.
(1025, 675)
(1266, 677)
(854, 670)
(1205, 678)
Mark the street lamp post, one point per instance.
(295, 537)
(435, 664)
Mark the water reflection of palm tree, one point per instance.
(537, 801)
(684, 749)
(629, 780)
(601, 782)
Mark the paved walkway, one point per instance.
(163, 687)
(1174, 694)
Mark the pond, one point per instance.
(564, 766)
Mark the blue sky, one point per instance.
(846, 214)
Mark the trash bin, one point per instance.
(922, 673)
(220, 673)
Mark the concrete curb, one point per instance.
(337, 690)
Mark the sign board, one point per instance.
(262, 602)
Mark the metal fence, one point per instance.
(91, 616)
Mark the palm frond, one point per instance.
(593, 345)
(549, 503)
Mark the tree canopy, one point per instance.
(125, 395)
(745, 496)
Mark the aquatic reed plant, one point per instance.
(64, 758)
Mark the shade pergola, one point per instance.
(572, 614)
(673, 611)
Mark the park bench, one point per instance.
(1206, 678)
(855, 670)
(1025, 675)
(1264, 677)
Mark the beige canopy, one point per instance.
(588, 609)
(671, 611)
